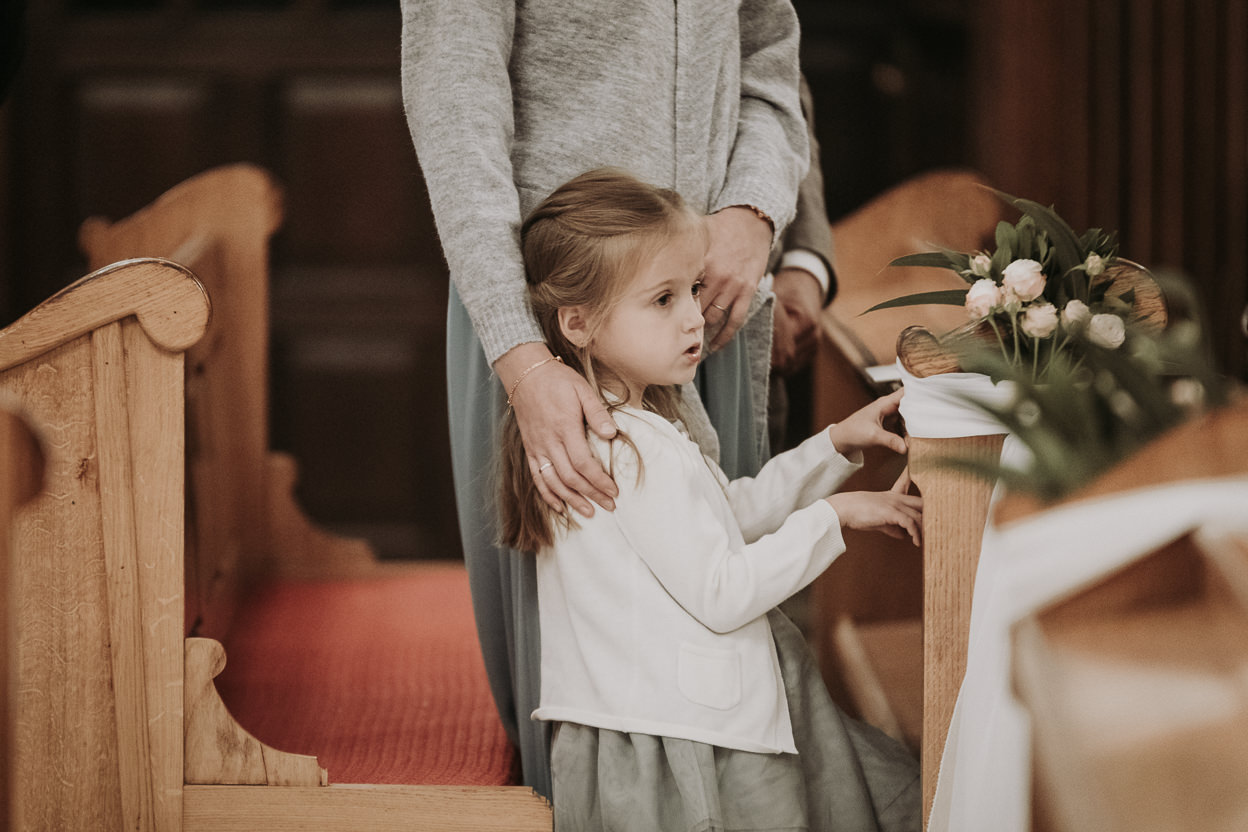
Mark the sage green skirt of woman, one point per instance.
(846, 776)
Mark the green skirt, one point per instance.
(846, 775)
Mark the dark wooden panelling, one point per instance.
(1128, 115)
(134, 135)
(359, 390)
(344, 143)
(889, 83)
(118, 102)
(1233, 220)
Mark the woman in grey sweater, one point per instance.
(508, 100)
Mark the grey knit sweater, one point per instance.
(508, 100)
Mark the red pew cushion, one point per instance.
(381, 679)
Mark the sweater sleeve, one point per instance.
(668, 520)
(771, 153)
(789, 481)
(457, 97)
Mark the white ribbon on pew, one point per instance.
(984, 783)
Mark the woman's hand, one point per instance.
(553, 403)
(894, 512)
(735, 263)
(865, 428)
(799, 302)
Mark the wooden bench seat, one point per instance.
(158, 537)
(380, 678)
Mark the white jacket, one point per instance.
(653, 616)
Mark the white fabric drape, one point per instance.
(984, 783)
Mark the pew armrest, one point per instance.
(169, 302)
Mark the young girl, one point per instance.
(681, 698)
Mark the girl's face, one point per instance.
(653, 334)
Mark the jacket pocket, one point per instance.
(709, 676)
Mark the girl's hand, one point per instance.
(553, 404)
(735, 262)
(893, 512)
(865, 428)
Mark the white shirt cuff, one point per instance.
(800, 258)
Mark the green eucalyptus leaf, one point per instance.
(933, 259)
(947, 297)
(1007, 240)
(1066, 245)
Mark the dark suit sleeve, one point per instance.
(810, 229)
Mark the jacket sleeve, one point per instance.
(719, 580)
(770, 155)
(789, 481)
(810, 230)
(457, 97)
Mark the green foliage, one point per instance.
(1040, 235)
(1094, 406)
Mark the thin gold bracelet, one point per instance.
(758, 212)
(516, 383)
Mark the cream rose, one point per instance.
(1107, 331)
(981, 265)
(1076, 315)
(983, 296)
(1023, 279)
(1039, 320)
(1094, 265)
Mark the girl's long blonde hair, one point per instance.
(581, 246)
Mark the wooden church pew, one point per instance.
(869, 604)
(1135, 684)
(21, 478)
(956, 508)
(251, 552)
(97, 555)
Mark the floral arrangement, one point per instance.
(1097, 404)
(1043, 290)
(1092, 381)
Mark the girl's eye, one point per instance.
(664, 299)
(697, 288)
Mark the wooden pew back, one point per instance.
(870, 602)
(21, 478)
(955, 510)
(216, 225)
(248, 532)
(1160, 645)
(98, 553)
(245, 524)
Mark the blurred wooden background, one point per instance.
(1126, 114)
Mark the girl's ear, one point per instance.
(574, 324)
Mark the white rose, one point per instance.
(1187, 393)
(1076, 316)
(1094, 265)
(1023, 279)
(981, 265)
(1107, 331)
(982, 298)
(1039, 320)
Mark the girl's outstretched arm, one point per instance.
(893, 512)
(865, 428)
(789, 481)
(674, 518)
